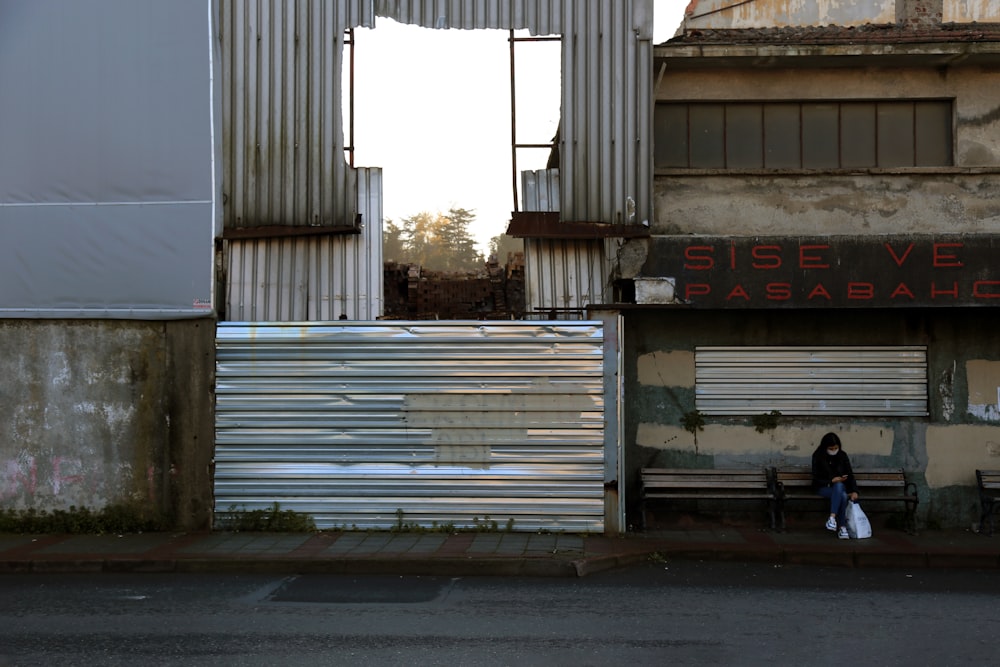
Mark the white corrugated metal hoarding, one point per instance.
(366, 424)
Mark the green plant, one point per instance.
(693, 422)
(272, 519)
(485, 525)
(767, 421)
(119, 518)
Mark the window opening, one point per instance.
(433, 109)
(552, 146)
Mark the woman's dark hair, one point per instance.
(830, 440)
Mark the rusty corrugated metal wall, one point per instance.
(606, 103)
(366, 424)
(312, 278)
(564, 275)
(283, 140)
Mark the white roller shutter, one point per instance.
(841, 380)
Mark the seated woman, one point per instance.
(833, 478)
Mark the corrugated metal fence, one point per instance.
(372, 424)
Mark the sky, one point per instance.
(432, 109)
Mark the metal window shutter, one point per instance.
(847, 380)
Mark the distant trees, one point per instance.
(503, 246)
(438, 242)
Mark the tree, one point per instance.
(418, 238)
(438, 242)
(462, 255)
(393, 249)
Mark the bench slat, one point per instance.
(669, 484)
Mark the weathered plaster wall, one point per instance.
(968, 11)
(100, 412)
(726, 14)
(735, 443)
(940, 453)
(826, 204)
(984, 389)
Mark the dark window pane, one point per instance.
(857, 132)
(895, 134)
(933, 134)
(744, 143)
(781, 136)
(707, 136)
(820, 138)
(670, 135)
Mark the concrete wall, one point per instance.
(95, 412)
(940, 453)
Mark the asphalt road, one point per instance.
(654, 614)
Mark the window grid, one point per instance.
(867, 134)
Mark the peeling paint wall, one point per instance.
(968, 11)
(955, 452)
(984, 389)
(100, 412)
(726, 14)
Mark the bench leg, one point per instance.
(986, 510)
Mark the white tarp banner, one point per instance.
(107, 170)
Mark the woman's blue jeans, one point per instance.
(838, 501)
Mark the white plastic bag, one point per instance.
(858, 526)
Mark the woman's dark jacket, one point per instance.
(826, 467)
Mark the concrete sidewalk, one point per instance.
(475, 553)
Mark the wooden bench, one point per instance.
(674, 484)
(989, 496)
(875, 486)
